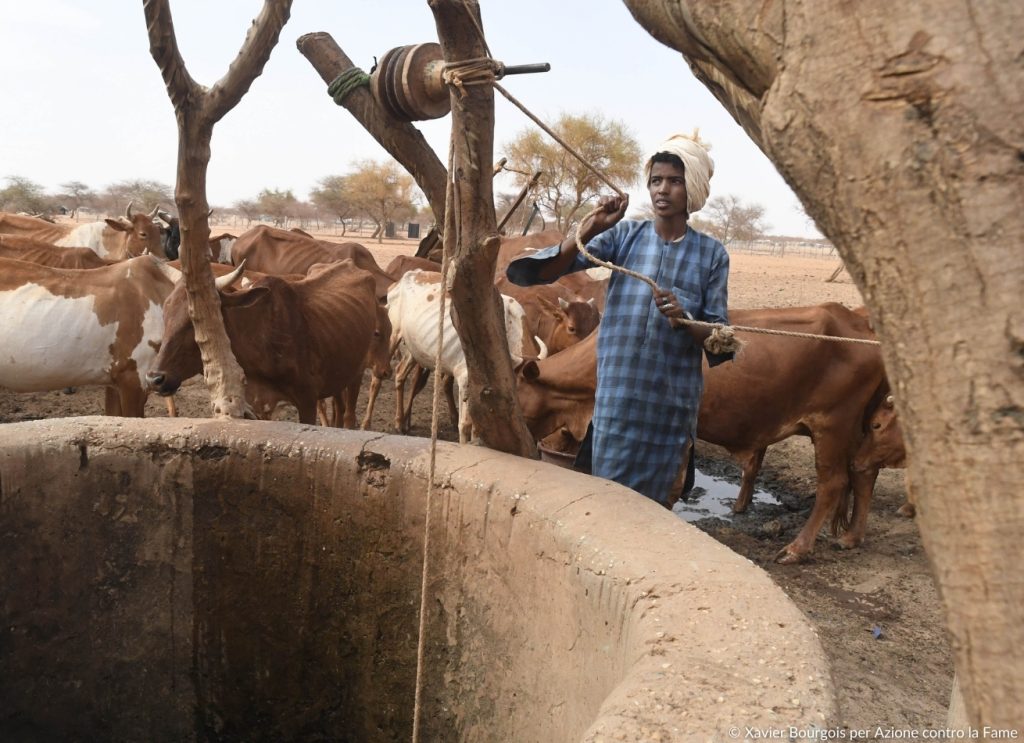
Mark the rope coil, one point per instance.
(345, 83)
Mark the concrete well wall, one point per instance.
(210, 580)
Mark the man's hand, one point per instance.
(611, 210)
(669, 306)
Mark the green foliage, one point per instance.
(333, 197)
(74, 195)
(567, 186)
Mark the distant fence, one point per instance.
(782, 248)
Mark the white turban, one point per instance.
(697, 162)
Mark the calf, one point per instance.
(554, 315)
(296, 339)
(776, 388)
(882, 447)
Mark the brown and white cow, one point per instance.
(279, 252)
(36, 251)
(776, 388)
(115, 239)
(300, 340)
(77, 327)
(413, 305)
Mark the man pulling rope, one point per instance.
(649, 379)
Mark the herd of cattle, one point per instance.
(104, 304)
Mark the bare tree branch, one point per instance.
(248, 65)
(163, 46)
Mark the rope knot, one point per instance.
(477, 71)
(723, 340)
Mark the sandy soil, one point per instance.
(876, 608)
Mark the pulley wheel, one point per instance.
(422, 93)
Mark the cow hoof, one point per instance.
(907, 510)
(848, 542)
(787, 556)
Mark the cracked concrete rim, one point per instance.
(570, 608)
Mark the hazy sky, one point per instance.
(83, 99)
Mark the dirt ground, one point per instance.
(876, 608)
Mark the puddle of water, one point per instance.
(713, 497)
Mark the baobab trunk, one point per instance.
(197, 110)
(900, 125)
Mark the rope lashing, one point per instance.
(345, 83)
(475, 71)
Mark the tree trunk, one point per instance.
(478, 314)
(197, 110)
(899, 124)
(401, 139)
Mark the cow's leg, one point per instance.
(172, 409)
(831, 460)
(321, 413)
(133, 400)
(307, 411)
(346, 402)
(111, 401)
(863, 490)
(449, 394)
(405, 367)
(371, 400)
(419, 382)
(750, 462)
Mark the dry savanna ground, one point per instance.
(876, 608)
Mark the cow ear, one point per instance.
(245, 298)
(530, 370)
(119, 225)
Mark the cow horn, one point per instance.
(154, 212)
(223, 282)
(543, 348)
(128, 211)
(165, 216)
(890, 400)
(562, 303)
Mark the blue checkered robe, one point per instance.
(649, 380)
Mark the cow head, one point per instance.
(379, 355)
(171, 234)
(550, 403)
(141, 234)
(572, 321)
(882, 445)
(179, 357)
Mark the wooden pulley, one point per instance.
(409, 81)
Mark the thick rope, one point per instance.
(453, 199)
(345, 83)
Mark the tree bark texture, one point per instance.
(477, 309)
(197, 110)
(401, 139)
(901, 127)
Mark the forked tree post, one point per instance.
(477, 310)
(197, 109)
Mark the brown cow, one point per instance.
(116, 239)
(45, 254)
(553, 313)
(299, 340)
(402, 264)
(777, 387)
(278, 252)
(882, 447)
